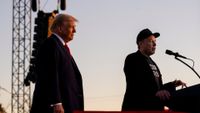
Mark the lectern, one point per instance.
(187, 99)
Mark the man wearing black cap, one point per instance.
(145, 90)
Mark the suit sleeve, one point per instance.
(136, 76)
(170, 87)
(49, 64)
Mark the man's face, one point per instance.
(148, 45)
(68, 30)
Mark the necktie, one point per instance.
(67, 48)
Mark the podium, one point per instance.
(187, 99)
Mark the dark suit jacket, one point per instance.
(59, 79)
(141, 86)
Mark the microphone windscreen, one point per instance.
(168, 52)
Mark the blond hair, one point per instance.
(59, 19)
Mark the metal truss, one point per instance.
(21, 52)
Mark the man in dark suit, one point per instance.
(58, 87)
(145, 90)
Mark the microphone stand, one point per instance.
(187, 65)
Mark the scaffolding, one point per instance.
(21, 52)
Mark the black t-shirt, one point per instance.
(154, 70)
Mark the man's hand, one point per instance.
(179, 83)
(163, 95)
(58, 108)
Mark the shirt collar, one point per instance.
(61, 40)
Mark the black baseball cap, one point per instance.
(145, 33)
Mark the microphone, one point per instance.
(169, 52)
